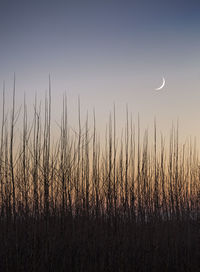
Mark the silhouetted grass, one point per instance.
(125, 203)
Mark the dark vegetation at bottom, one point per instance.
(77, 202)
(87, 244)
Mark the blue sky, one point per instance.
(106, 51)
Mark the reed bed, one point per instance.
(128, 202)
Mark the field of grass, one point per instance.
(125, 203)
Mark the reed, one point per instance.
(131, 203)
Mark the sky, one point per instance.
(106, 52)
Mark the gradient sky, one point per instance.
(106, 51)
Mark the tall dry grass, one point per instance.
(129, 201)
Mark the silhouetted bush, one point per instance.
(77, 205)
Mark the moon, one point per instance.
(163, 84)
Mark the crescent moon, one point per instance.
(163, 84)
